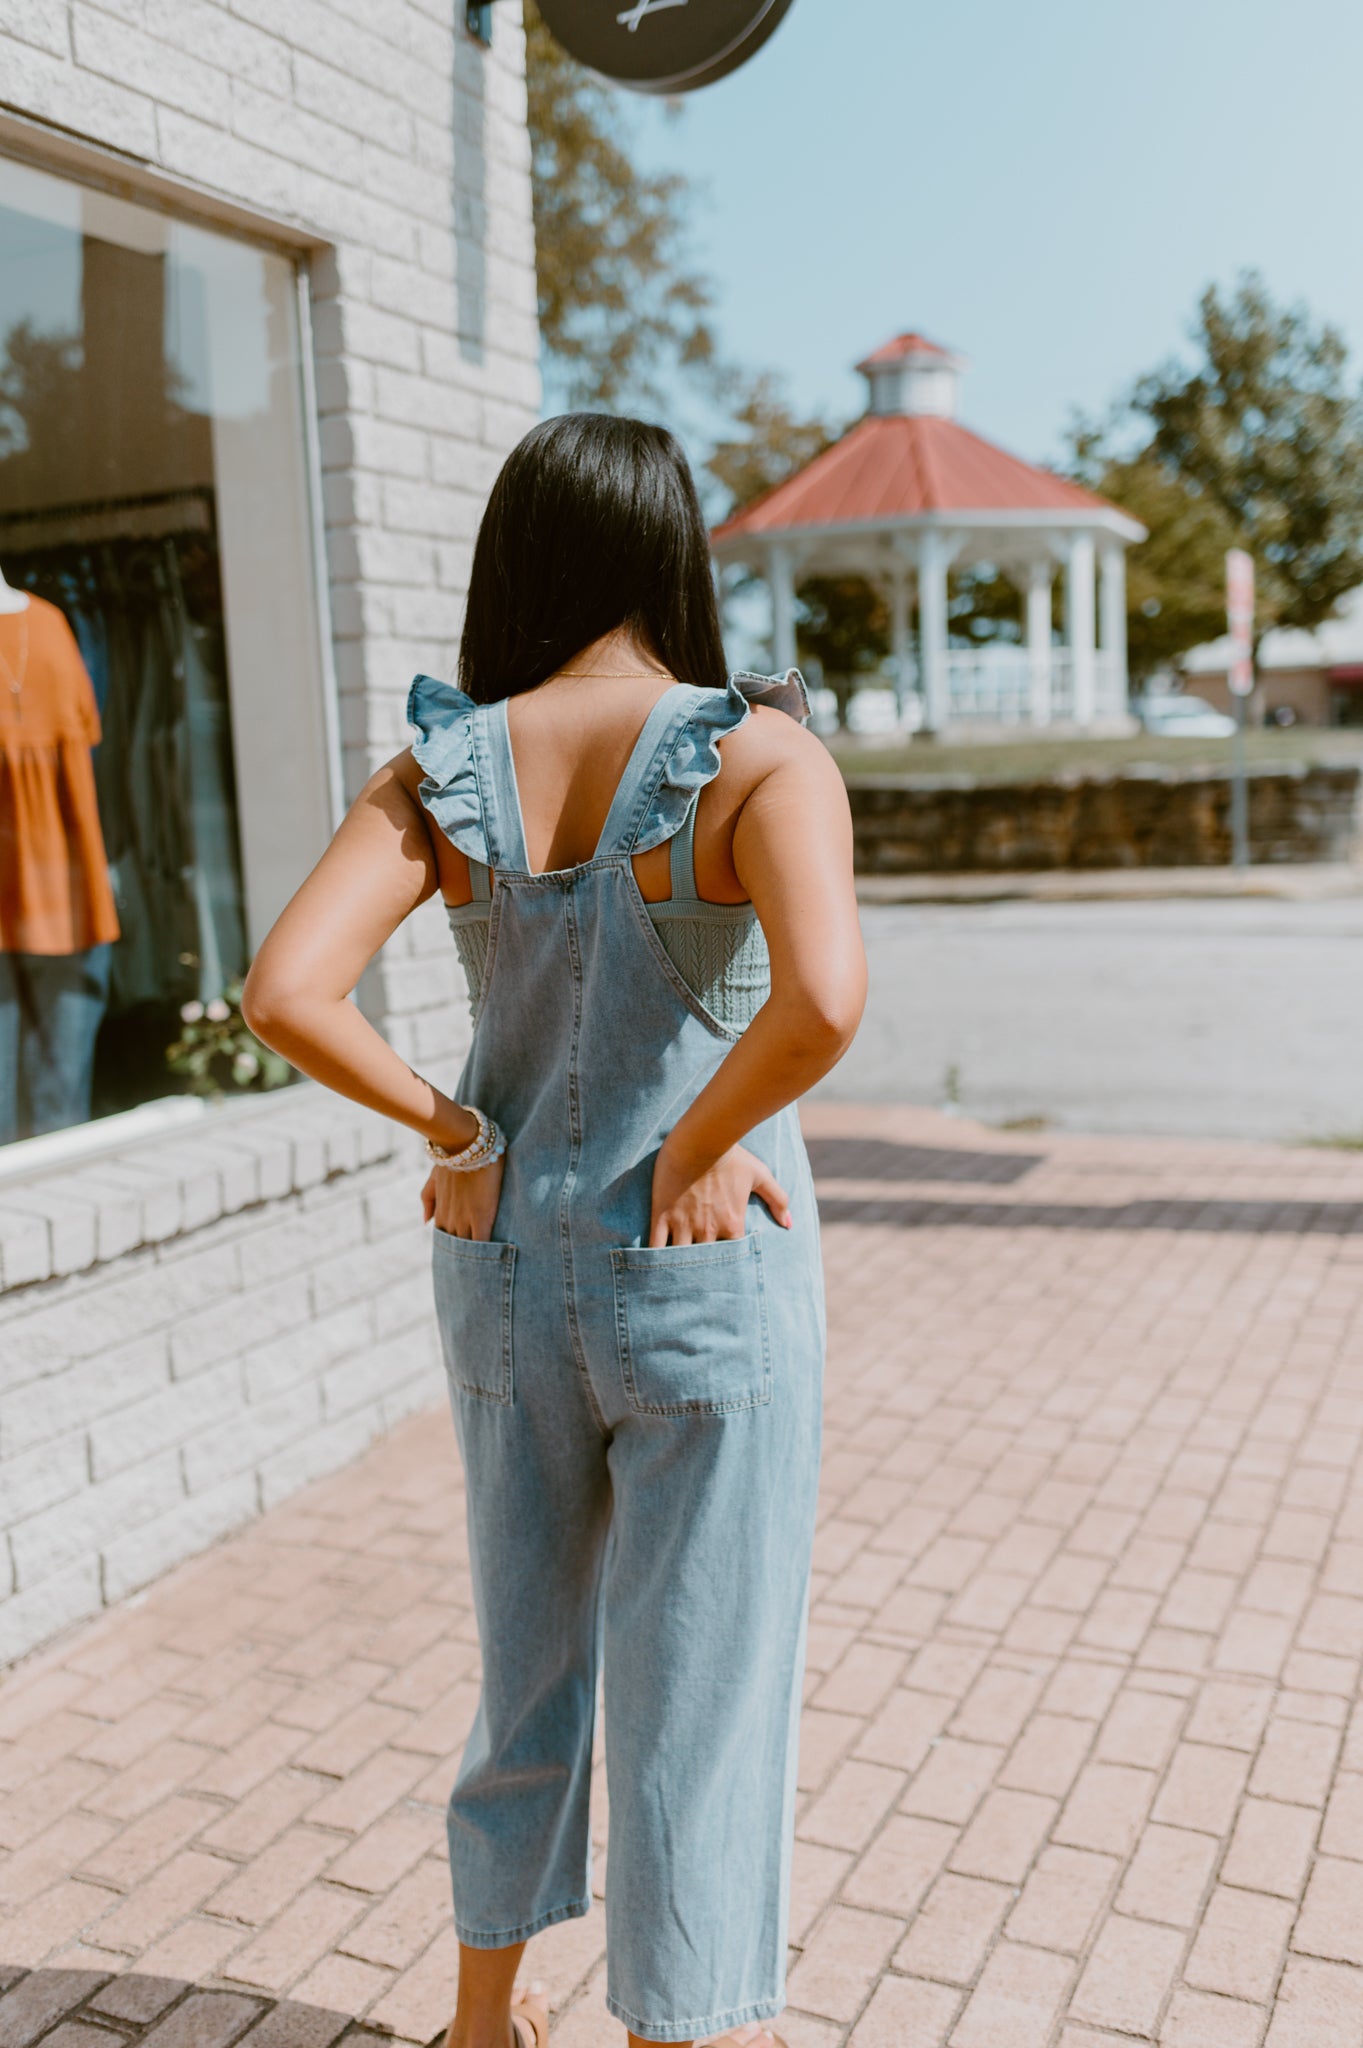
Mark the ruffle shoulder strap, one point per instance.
(690, 757)
(443, 717)
(778, 693)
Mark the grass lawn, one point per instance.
(1033, 758)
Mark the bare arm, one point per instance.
(792, 852)
(375, 872)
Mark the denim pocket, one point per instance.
(473, 1283)
(692, 1327)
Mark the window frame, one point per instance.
(58, 155)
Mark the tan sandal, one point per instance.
(530, 2011)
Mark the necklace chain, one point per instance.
(610, 675)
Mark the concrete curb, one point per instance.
(1313, 882)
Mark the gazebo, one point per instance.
(907, 495)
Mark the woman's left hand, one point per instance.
(463, 1204)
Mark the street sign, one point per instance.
(663, 46)
(1240, 617)
(1240, 676)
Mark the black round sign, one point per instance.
(663, 46)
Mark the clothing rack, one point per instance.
(151, 516)
(137, 578)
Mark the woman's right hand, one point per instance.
(699, 1207)
(464, 1204)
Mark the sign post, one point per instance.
(1240, 676)
(665, 46)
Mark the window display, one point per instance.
(57, 915)
(158, 636)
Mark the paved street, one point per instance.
(1228, 1019)
(1082, 1761)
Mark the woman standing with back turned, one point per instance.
(648, 870)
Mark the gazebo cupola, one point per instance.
(909, 494)
(913, 375)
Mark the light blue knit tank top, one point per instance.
(718, 949)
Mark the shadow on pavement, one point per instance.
(1289, 1219)
(881, 1159)
(84, 2007)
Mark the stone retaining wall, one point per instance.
(931, 825)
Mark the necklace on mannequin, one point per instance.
(12, 675)
(14, 603)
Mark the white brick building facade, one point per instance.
(195, 1320)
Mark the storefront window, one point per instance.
(161, 709)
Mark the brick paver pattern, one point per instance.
(1082, 1762)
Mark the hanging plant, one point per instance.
(218, 1054)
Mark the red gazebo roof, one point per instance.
(898, 465)
(903, 346)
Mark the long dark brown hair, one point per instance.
(593, 523)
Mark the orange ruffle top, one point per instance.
(55, 895)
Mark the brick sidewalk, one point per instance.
(1081, 1760)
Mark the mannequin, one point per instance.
(57, 915)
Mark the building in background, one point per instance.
(267, 330)
(909, 494)
(1310, 678)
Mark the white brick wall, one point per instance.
(150, 1402)
(191, 1328)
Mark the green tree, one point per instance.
(841, 622)
(618, 299)
(50, 425)
(985, 607)
(767, 443)
(1175, 579)
(620, 305)
(1264, 439)
(39, 374)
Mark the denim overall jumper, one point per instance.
(639, 1428)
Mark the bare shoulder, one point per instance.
(769, 743)
(393, 787)
(405, 770)
(388, 804)
(394, 793)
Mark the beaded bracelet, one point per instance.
(488, 1144)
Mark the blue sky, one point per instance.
(1046, 185)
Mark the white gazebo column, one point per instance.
(1079, 626)
(1039, 580)
(934, 559)
(901, 640)
(781, 584)
(1112, 624)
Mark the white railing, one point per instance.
(1109, 687)
(994, 686)
(990, 685)
(1013, 686)
(1060, 697)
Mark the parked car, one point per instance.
(1178, 717)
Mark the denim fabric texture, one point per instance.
(51, 1008)
(639, 1428)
